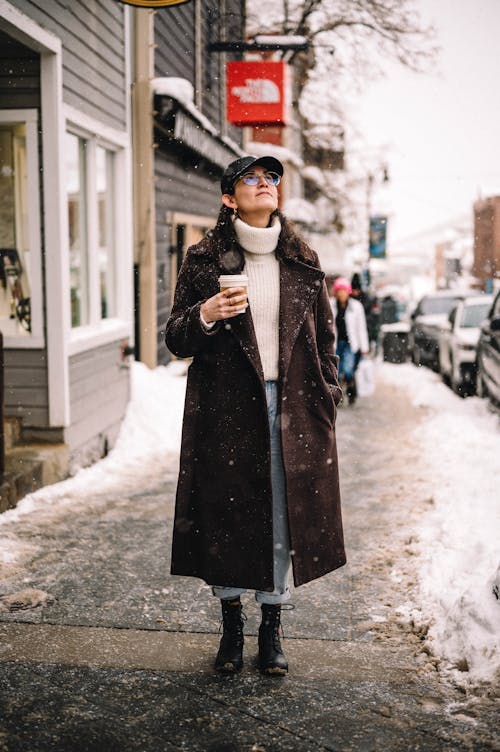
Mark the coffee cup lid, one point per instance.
(233, 278)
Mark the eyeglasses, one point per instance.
(271, 178)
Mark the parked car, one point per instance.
(488, 355)
(426, 323)
(458, 342)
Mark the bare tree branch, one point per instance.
(361, 34)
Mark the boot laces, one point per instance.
(234, 619)
(278, 633)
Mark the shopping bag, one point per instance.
(365, 378)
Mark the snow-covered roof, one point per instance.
(182, 91)
(300, 210)
(280, 152)
(314, 175)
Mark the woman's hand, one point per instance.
(224, 305)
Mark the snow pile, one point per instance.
(148, 445)
(314, 175)
(178, 88)
(300, 210)
(459, 551)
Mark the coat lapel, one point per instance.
(299, 287)
(244, 331)
(207, 283)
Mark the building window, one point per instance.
(20, 285)
(90, 184)
(15, 294)
(186, 230)
(105, 198)
(76, 189)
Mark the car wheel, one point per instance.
(415, 356)
(470, 381)
(435, 363)
(444, 374)
(481, 389)
(456, 385)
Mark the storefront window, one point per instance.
(76, 185)
(91, 205)
(104, 176)
(15, 293)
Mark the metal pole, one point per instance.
(369, 192)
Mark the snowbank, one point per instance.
(459, 551)
(148, 444)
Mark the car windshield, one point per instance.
(474, 315)
(430, 306)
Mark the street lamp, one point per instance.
(376, 225)
(370, 179)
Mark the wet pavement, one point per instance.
(118, 655)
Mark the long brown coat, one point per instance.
(223, 531)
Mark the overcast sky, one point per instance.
(442, 130)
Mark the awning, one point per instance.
(183, 125)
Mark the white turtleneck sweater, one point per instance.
(262, 268)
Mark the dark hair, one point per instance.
(230, 254)
(356, 281)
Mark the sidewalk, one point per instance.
(119, 655)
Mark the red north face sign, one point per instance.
(257, 93)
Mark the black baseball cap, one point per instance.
(241, 165)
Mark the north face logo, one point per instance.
(257, 90)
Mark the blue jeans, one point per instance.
(347, 360)
(281, 535)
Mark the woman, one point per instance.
(258, 483)
(350, 332)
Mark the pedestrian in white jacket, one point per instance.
(351, 333)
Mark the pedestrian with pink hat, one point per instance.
(351, 333)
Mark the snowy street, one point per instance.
(397, 650)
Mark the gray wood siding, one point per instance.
(234, 29)
(174, 37)
(93, 39)
(19, 75)
(183, 188)
(175, 51)
(26, 387)
(185, 182)
(99, 393)
(212, 96)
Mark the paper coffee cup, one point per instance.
(226, 281)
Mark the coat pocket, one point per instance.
(321, 402)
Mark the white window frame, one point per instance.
(35, 339)
(57, 285)
(103, 331)
(28, 32)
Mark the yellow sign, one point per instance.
(154, 3)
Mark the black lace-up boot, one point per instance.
(271, 658)
(229, 658)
